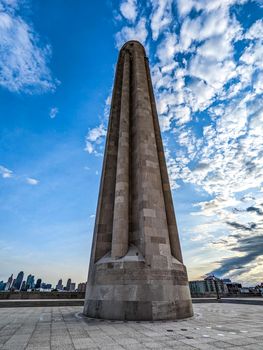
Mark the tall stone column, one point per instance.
(136, 269)
(120, 228)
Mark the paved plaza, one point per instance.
(214, 326)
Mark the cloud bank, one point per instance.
(23, 59)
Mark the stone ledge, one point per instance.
(247, 301)
(80, 302)
(40, 303)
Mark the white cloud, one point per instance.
(167, 48)
(182, 114)
(96, 133)
(189, 32)
(216, 31)
(205, 69)
(216, 48)
(138, 32)
(161, 16)
(230, 159)
(128, 9)
(89, 147)
(94, 138)
(253, 54)
(258, 82)
(201, 95)
(32, 181)
(6, 173)
(53, 112)
(255, 31)
(185, 7)
(216, 25)
(23, 60)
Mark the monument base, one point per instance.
(138, 310)
(128, 289)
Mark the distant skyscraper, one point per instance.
(9, 283)
(30, 282)
(38, 284)
(82, 287)
(10, 279)
(2, 285)
(68, 284)
(23, 286)
(13, 284)
(46, 286)
(19, 280)
(59, 286)
(72, 287)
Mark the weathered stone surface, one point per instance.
(136, 268)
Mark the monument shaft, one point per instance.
(136, 270)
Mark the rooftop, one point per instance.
(214, 326)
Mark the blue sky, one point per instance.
(57, 62)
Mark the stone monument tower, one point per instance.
(136, 269)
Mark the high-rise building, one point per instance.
(13, 284)
(59, 286)
(136, 269)
(30, 282)
(68, 284)
(18, 282)
(23, 286)
(233, 287)
(216, 284)
(9, 283)
(209, 286)
(2, 285)
(46, 286)
(38, 283)
(82, 287)
(72, 287)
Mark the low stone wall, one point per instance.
(203, 295)
(80, 302)
(248, 301)
(40, 303)
(213, 295)
(41, 295)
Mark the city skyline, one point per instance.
(207, 74)
(29, 281)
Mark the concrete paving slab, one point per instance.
(213, 327)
